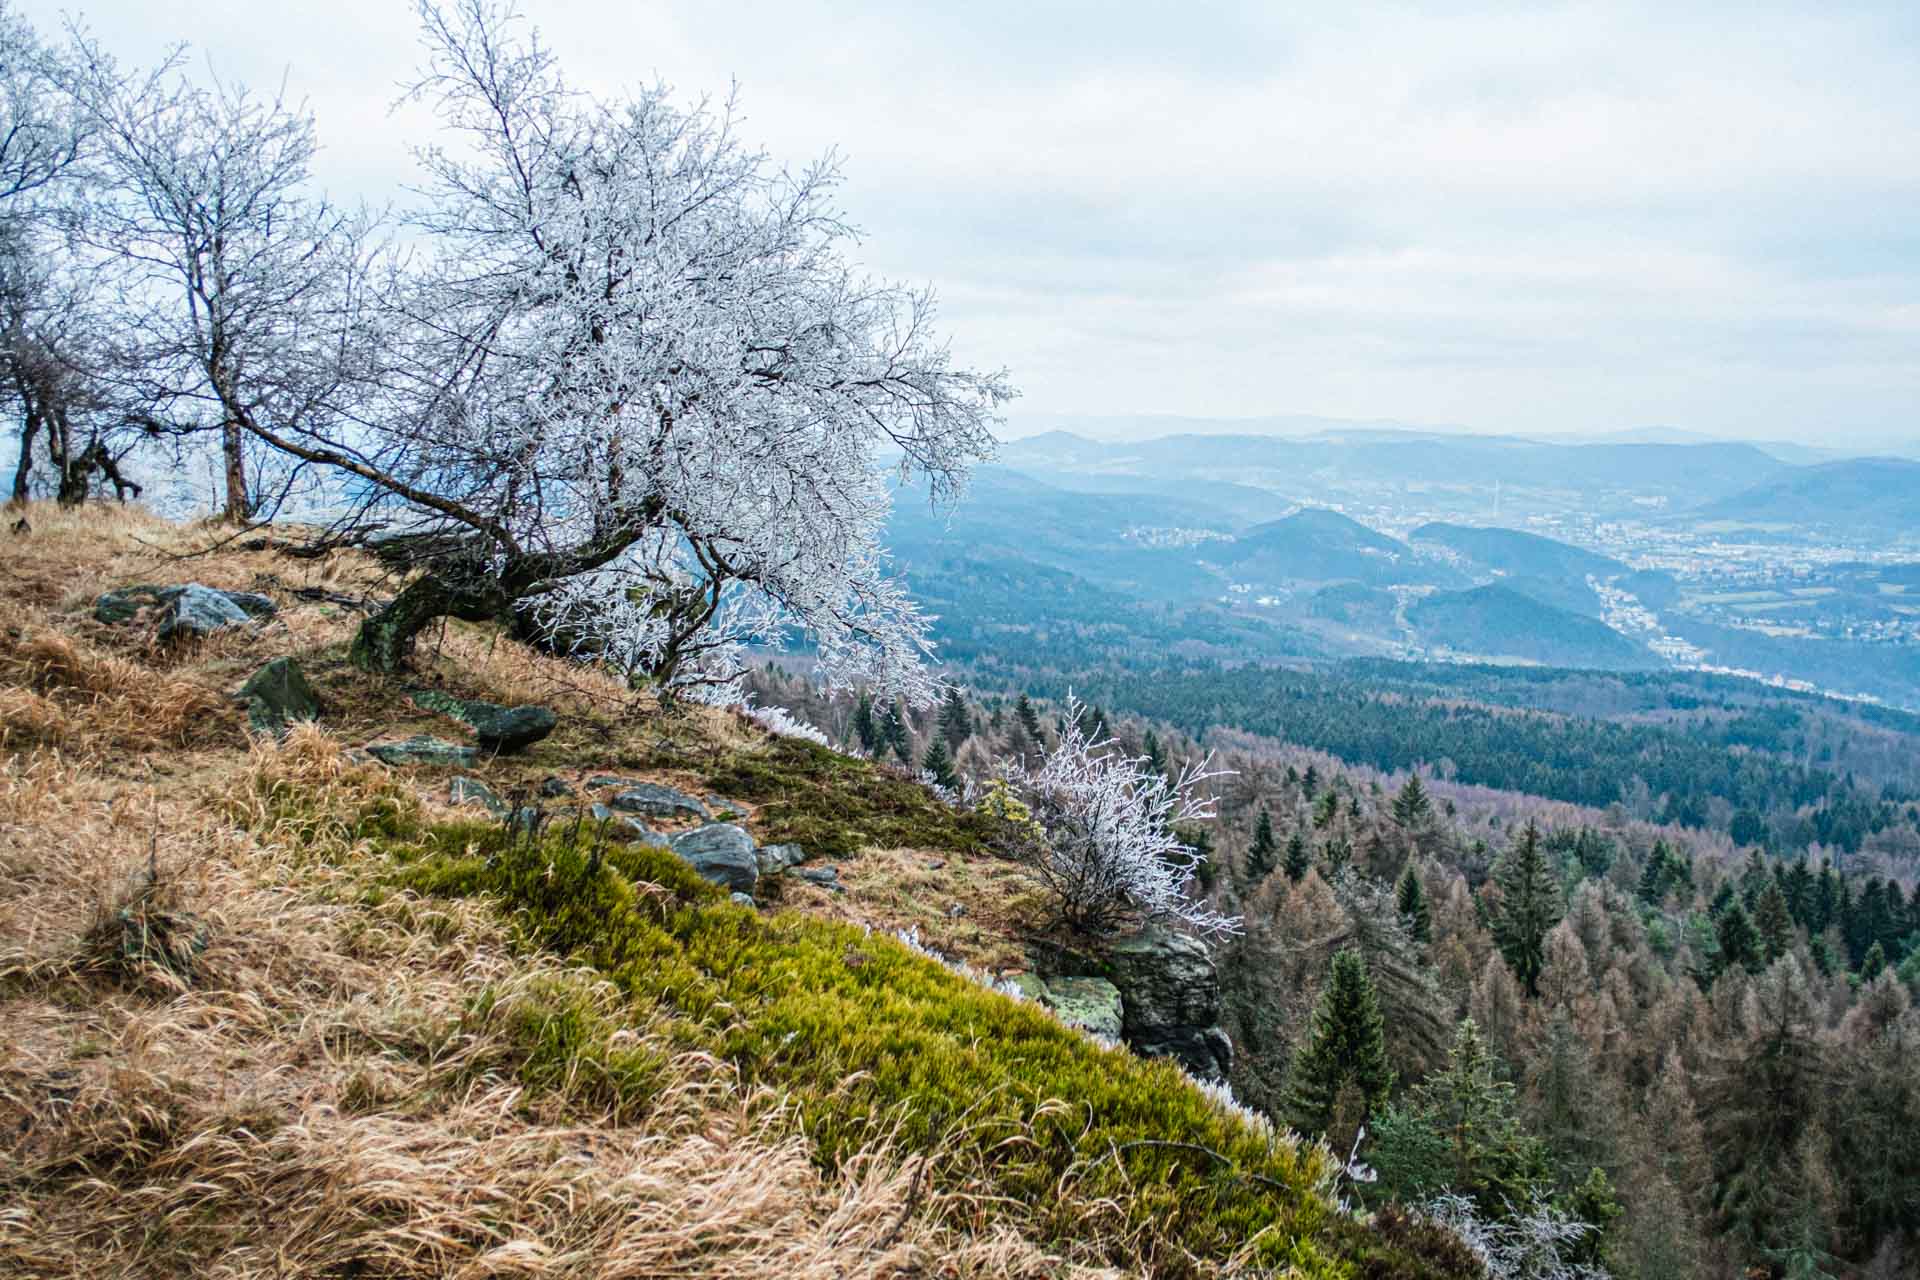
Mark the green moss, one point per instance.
(829, 803)
(869, 1038)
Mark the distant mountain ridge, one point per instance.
(1865, 498)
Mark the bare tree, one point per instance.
(44, 331)
(240, 293)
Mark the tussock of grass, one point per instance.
(61, 692)
(829, 803)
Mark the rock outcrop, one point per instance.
(125, 604)
(1170, 994)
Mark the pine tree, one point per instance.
(955, 725)
(1260, 856)
(1774, 922)
(1029, 719)
(1529, 906)
(1412, 901)
(938, 763)
(1345, 1048)
(1411, 808)
(1298, 861)
(1739, 941)
(1310, 782)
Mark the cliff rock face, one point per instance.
(1170, 1000)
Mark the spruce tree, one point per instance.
(1492, 1157)
(1739, 941)
(1345, 1047)
(1260, 856)
(939, 763)
(955, 725)
(1298, 861)
(1326, 809)
(1774, 922)
(1529, 906)
(1029, 719)
(1653, 876)
(1310, 782)
(1412, 901)
(865, 728)
(1156, 758)
(1411, 808)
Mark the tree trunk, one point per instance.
(236, 474)
(385, 640)
(29, 428)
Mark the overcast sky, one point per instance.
(1517, 217)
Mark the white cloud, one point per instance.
(1521, 216)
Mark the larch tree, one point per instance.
(1530, 905)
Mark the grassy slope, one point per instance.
(348, 1031)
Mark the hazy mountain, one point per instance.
(1549, 571)
(1497, 621)
(1861, 498)
(1319, 545)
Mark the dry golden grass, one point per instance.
(306, 1077)
(975, 909)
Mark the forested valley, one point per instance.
(1704, 1044)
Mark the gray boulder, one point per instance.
(1170, 996)
(125, 604)
(197, 612)
(474, 791)
(555, 788)
(421, 749)
(500, 730)
(742, 900)
(722, 853)
(657, 801)
(276, 696)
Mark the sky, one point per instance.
(1532, 218)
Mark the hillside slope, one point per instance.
(279, 1009)
(1860, 498)
(1498, 621)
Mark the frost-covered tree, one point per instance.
(643, 398)
(241, 296)
(53, 328)
(1101, 837)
